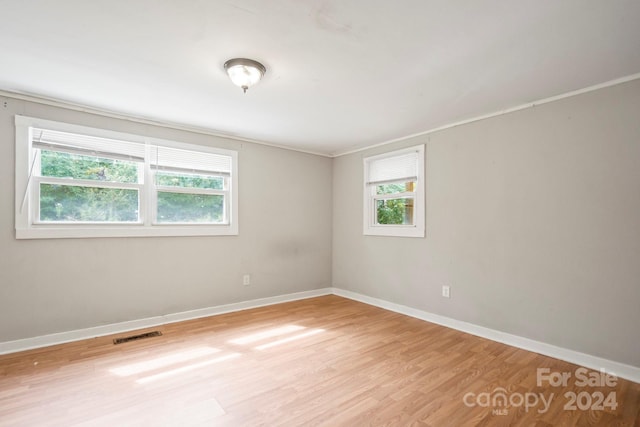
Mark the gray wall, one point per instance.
(533, 219)
(57, 285)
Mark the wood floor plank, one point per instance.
(321, 361)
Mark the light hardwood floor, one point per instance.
(321, 361)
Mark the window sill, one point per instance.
(406, 231)
(79, 232)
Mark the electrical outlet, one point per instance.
(246, 279)
(446, 291)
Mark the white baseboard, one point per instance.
(115, 328)
(621, 370)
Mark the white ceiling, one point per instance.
(341, 74)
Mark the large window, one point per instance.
(73, 181)
(394, 193)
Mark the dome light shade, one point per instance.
(244, 72)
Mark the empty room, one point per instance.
(319, 213)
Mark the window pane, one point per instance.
(67, 165)
(196, 208)
(189, 180)
(400, 187)
(70, 203)
(394, 211)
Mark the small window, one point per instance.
(394, 193)
(73, 181)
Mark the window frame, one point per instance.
(370, 226)
(27, 223)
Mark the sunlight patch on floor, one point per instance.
(269, 333)
(176, 363)
(187, 368)
(289, 339)
(161, 362)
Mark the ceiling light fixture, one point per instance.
(244, 72)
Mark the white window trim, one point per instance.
(27, 229)
(370, 228)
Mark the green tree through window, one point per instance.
(60, 202)
(394, 211)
